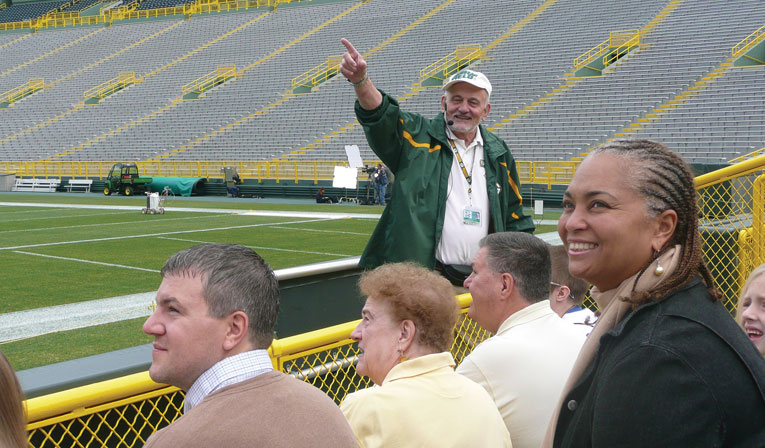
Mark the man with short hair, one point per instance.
(216, 312)
(456, 182)
(526, 363)
(567, 293)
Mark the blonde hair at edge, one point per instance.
(12, 420)
(759, 270)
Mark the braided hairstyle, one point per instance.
(665, 181)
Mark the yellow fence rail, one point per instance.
(125, 411)
(107, 88)
(206, 82)
(31, 86)
(448, 65)
(615, 39)
(546, 172)
(318, 74)
(748, 156)
(732, 203)
(748, 42)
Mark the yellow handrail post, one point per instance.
(748, 42)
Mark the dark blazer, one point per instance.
(678, 372)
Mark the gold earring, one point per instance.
(659, 269)
(402, 357)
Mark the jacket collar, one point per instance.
(672, 309)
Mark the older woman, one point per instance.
(12, 428)
(751, 308)
(665, 364)
(404, 337)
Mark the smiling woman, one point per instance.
(404, 338)
(664, 346)
(751, 308)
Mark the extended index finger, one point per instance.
(349, 46)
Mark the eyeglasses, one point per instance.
(558, 285)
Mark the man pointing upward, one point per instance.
(456, 182)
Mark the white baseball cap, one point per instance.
(477, 79)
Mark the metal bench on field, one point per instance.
(84, 184)
(47, 185)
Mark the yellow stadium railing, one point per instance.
(29, 87)
(109, 15)
(107, 88)
(125, 411)
(462, 56)
(542, 172)
(748, 42)
(615, 39)
(318, 74)
(209, 80)
(622, 42)
(748, 156)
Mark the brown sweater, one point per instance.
(270, 410)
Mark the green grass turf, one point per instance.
(66, 345)
(130, 239)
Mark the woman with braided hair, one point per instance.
(665, 365)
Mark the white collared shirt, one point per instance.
(226, 372)
(459, 241)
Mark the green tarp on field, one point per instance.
(183, 186)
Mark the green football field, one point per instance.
(82, 247)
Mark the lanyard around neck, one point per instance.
(468, 176)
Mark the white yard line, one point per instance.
(29, 211)
(272, 213)
(551, 238)
(79, 260)
(149, 235)
(121, 223)
(265, 248)
(322, 231)
(48, 217)
(37, 322)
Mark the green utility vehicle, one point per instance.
(123, 178)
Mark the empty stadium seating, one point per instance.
(255, 117)
(26, 11)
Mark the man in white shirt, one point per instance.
(567, 293)
(526, 363)
(216, 312)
